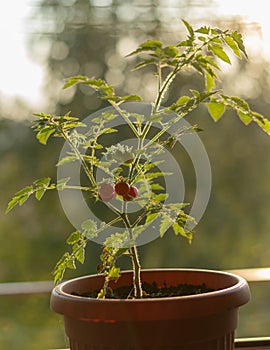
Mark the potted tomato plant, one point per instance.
(124, 200)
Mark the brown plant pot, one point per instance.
(196, 322)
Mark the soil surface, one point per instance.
(152, 290)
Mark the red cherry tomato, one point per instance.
(122, 188)
(133, 193)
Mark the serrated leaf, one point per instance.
(66, 159)
(107, 131)
(189, 28)
(40, 193)
(75, 80)
(240, 103)
(170, 51)
(166, 223)
(43, 181)
(209, 82)
(156, 187)
(203, 30)
(160, 197)
(143, 63)
(44, 134)
(131, 98)
(11, 204)
(25, 190)
(23, 199)
(262, 122)
(150, 217)
(71, 263)
(182, 100)
(220, 53)
(179, 230)
(245, 118)
(216, 110)
(187, 43)
(62, 183)
(80, 254)
(238, 39)
(74, 237)
(149, 45)
(89, 228)
(231, 43)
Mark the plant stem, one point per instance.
(137, 285)
(77, 153)
(138, 293)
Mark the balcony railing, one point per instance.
(251, 275)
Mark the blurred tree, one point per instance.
(92, 37)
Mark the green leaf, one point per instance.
(189, 28)
(160, 197)
(156, 187)
(262, 122)
(75, 80)
(144, 63)
(80, 254)
(131, 98)
(62, 183)
(14, 201)
(203, 30)
(238, 39)
(74, 237)
(20, 197)
(219, 52)
(44, 181)
(150, 217)
(40, 193)
(89, 228)
(149, 45)
(182, 100)
(209, 82)
(178, 229)
(216, 110)
(166, 223)
(44, 134)
(170, 51)
(41, 187)
(66, 159)
(107, 131)
(231, 43)
(246, 118)
(26, 190)
(71, 263)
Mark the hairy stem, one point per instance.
(138, 293)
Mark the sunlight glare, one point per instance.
(20, 76)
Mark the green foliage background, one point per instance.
(84, 37)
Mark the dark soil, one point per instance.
(153, 291)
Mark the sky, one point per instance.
(25, 78)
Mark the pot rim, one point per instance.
(235, 294)
(239, 282)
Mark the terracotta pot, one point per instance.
(197, 322)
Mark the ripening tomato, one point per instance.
(106, 192)
(133, 193)
(122, 188)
